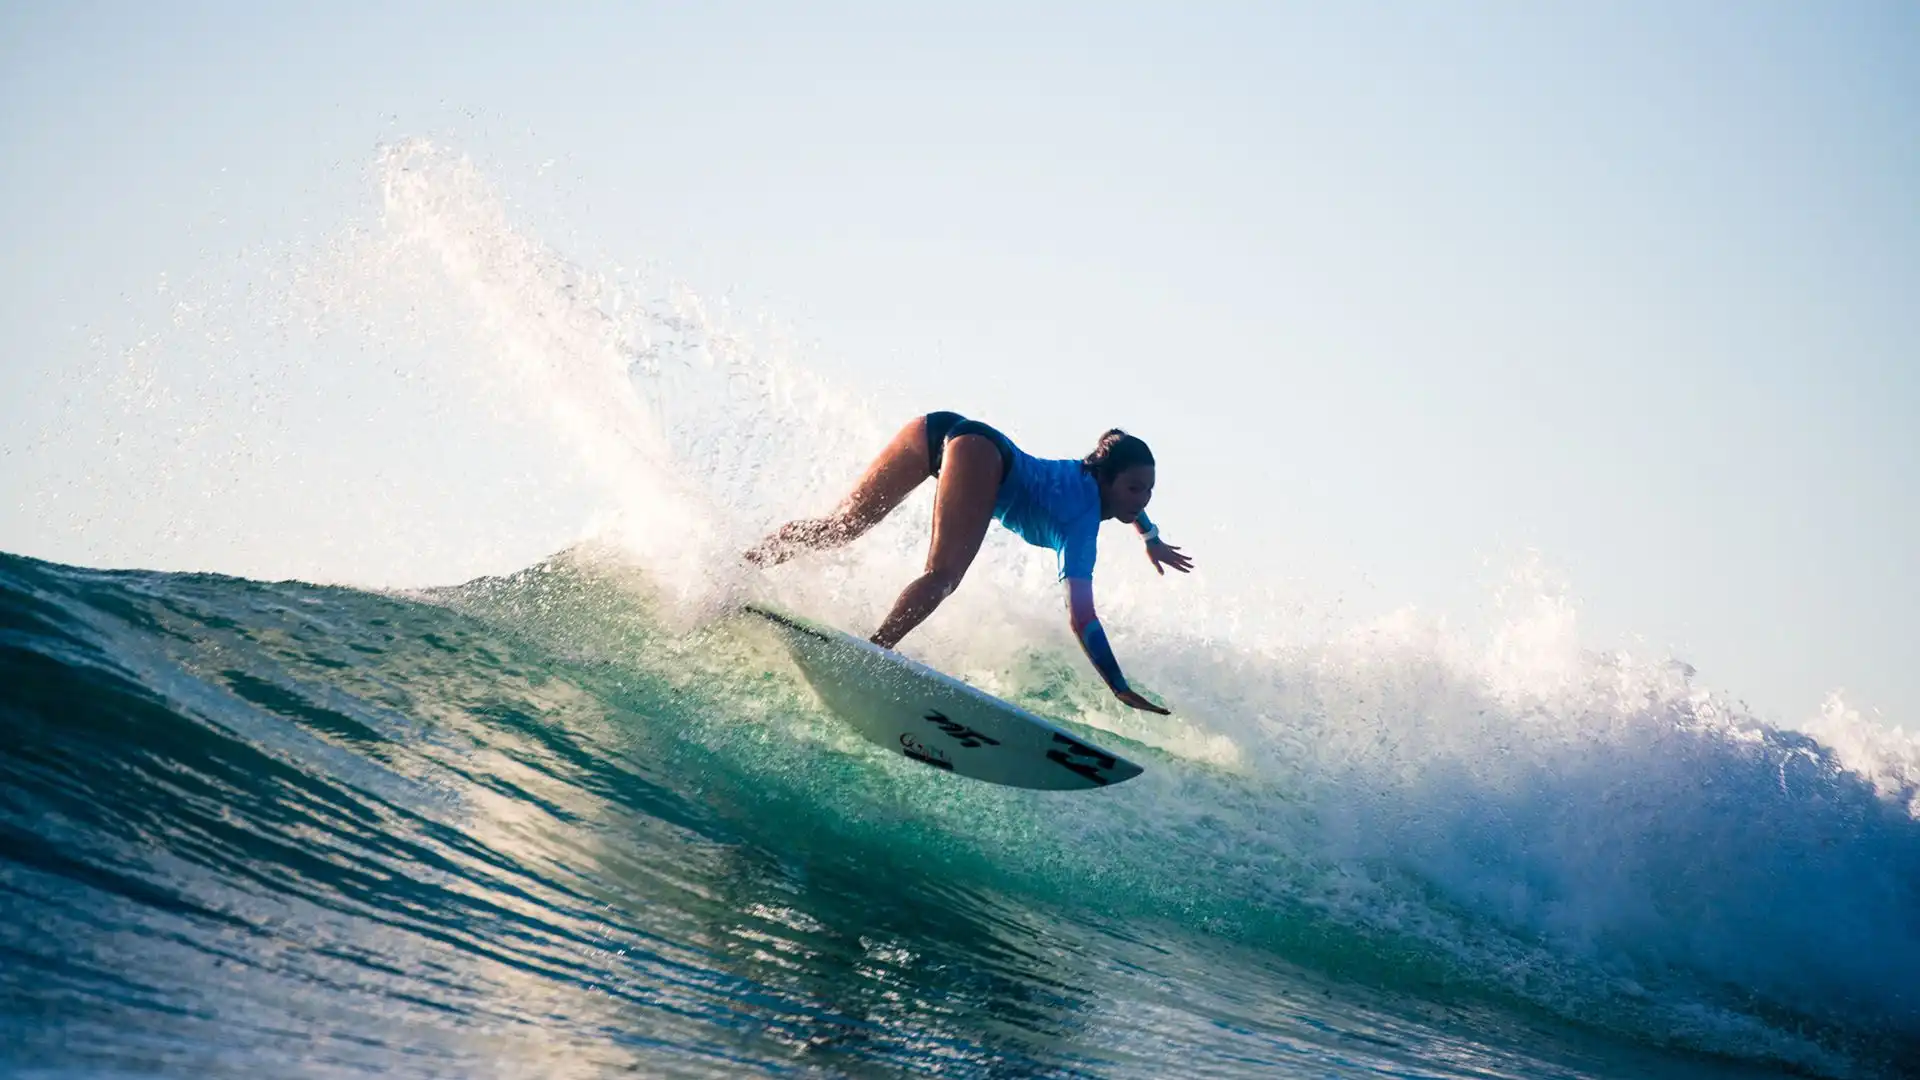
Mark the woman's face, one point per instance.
(1128, 493)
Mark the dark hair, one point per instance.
(1115, 453)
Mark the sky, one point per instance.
(1396, 292)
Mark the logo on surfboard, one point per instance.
(911, 746)
(960, 733)
(1080, 758)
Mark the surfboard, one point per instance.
(937, 720)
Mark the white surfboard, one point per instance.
(938, 720)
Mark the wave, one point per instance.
(243, 754)
(1506, 817)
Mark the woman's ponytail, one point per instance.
(1115, 453)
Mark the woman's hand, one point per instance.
(1162, 554)
(1134, 698)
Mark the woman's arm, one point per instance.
(1160, 553)
(1093, 638)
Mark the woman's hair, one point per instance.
(1115, 453)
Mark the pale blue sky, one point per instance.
(1393, 289)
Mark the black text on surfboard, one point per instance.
(921, 752)
(961, 733)
(1083, 759)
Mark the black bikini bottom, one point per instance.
(942, 426)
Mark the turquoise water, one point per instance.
(538, 826)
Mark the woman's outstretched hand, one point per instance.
(1162, 555)
(1134, 698)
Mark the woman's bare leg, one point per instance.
(962, 510)
(892, 476)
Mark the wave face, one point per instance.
(530, 826)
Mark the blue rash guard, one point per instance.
(1048, 502)
(1053, 503)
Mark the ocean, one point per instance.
(527, 826)
(568, 817)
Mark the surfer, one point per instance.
(981, 475)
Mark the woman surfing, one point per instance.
(981, 475)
